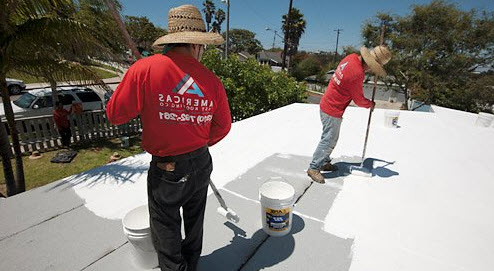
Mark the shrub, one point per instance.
(251, 88)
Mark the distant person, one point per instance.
(61, 117)
(77, 108)
(345, 85)
(184, 110)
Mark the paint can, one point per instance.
(124, 141)
(484, 119)
(391, 119)
(137, 230)
(277, 199)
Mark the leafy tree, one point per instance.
(142, 31)
(38, 37)
(308, 66)
(244, 40)
(293, 29)
(252, 88)
(209, 11)
(435, 49)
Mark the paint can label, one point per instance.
(278, 219)
(395, 122)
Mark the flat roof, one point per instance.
(428, 205)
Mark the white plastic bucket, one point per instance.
(277, 200)
(391, 119)
(484, 119)
(136, 228)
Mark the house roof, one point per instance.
(245, 55)
(270, 56)
(427, 206)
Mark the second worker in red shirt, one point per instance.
(345, 85)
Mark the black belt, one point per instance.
(180, 157)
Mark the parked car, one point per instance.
(15, 86)
(39, 102)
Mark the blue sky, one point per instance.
(322, 17)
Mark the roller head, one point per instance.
(360, 171)
(229, 214)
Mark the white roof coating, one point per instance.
(428, 205)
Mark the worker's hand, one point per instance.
(373, 105)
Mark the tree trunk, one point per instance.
(116, 16)
(54, 92)
(6, 154)
(9, 114)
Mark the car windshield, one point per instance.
(25, 100)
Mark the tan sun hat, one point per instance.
(376, 58)
(35, 155)
(185, 25)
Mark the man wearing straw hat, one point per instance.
(184, 109)
(345, 85)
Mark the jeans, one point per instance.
(185, 185)
(329, 138)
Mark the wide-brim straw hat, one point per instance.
(35, 155)
(115, 156)
(376, 58)
(185, 25)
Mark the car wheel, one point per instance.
(15, 89)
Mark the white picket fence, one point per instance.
(40, 133)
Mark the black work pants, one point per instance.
(183, 183)
(65, 134)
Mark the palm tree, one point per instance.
(121, 26)
(219, 18)
(209, 9)
(294, 30)
(38, 37)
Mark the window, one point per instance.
(25, 100)
(66, 99)
(88, 96)
(44, 101)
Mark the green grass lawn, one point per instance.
(28, 79)
(41, 171)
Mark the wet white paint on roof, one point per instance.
(427, 207)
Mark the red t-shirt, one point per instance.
(61, 118)
(345, 86)
(183, 105)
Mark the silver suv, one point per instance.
(39, 102)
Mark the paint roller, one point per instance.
(361, 170)
(223, 209)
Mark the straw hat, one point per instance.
(185, 25)
(376, 58)
(35, 155)
(115, 156)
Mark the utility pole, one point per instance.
(227, 25)
(274, 38)
(287, 31)
(275, 34)
(337, 38)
